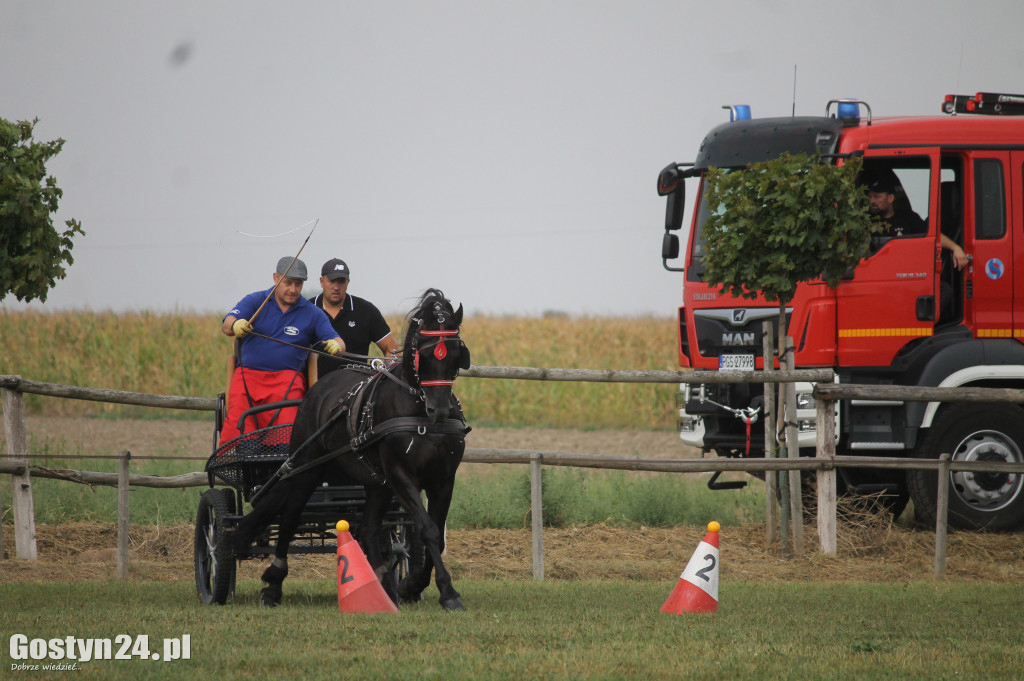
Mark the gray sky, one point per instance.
(505, 152)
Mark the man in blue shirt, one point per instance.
(268, 371)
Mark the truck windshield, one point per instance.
(910, 178)
(695, 271)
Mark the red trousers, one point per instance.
(252, 387)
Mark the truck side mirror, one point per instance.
(670, 184)
(670, 251)
(674, 209)
(669, 247)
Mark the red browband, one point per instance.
(435, 384)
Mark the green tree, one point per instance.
(775, 224)
(32, 252)
(781, 222)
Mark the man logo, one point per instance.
(291, 331)
(738, 316)
(339, 267)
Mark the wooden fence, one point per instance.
(824, 463)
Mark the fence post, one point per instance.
(21, 484)
(771, 512)
(941, 517)
(536, 508)
(123, 515)
(796, 500)
(827, 478)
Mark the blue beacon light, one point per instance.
(738, 112)
(849, 110)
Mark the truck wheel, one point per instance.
(992, 501)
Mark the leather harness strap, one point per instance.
(402, 424)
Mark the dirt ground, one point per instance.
(870, 547)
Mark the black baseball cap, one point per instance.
(883, 184)
(335, 269)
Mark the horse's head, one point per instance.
(434, 352)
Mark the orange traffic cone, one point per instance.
(697, 589)
(358, 588)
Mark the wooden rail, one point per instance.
(826, 393)
(569, 459)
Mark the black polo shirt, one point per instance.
(359, 323)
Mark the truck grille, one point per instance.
(733, 329)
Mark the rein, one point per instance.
(349, 355)
(364, 432)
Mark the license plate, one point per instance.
(736, 362)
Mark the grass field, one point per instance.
(803, 619)
(550, 630)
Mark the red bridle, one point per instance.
(440, 352)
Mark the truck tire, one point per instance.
(973, 432)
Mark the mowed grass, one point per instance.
(185, 354)
(549, 630)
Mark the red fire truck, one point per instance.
(904, 316)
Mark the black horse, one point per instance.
(389, 431)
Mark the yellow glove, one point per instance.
(334, 347)
(241, 327)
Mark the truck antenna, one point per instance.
(794, 90)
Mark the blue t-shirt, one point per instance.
(303, 324)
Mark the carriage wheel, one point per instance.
(414, 545)
(413, 552)
(214, 559)
(402, 552)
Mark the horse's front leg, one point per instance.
(296, 495)
(412, 586)
(439, 500)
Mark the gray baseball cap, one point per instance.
(298, 270)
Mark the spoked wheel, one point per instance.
(400, 553)
(403, 552)
(214, 558)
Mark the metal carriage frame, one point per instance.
(249, 462)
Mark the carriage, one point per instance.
(375, 446)
(247, 463)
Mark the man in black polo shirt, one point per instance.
(356, 320)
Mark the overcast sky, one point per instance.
(505, 152)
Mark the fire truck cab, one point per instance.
(905, 315)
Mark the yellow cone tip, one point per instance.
(713, 526)
(342, 526)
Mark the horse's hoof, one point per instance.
(453, 604)
(269, 598)
(405, 596)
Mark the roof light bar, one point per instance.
(987, 103)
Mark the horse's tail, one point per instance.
(262, 514)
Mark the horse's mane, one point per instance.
(424, 306)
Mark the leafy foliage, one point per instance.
(32, 251)
(777, 223)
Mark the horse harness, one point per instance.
(357, 405)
